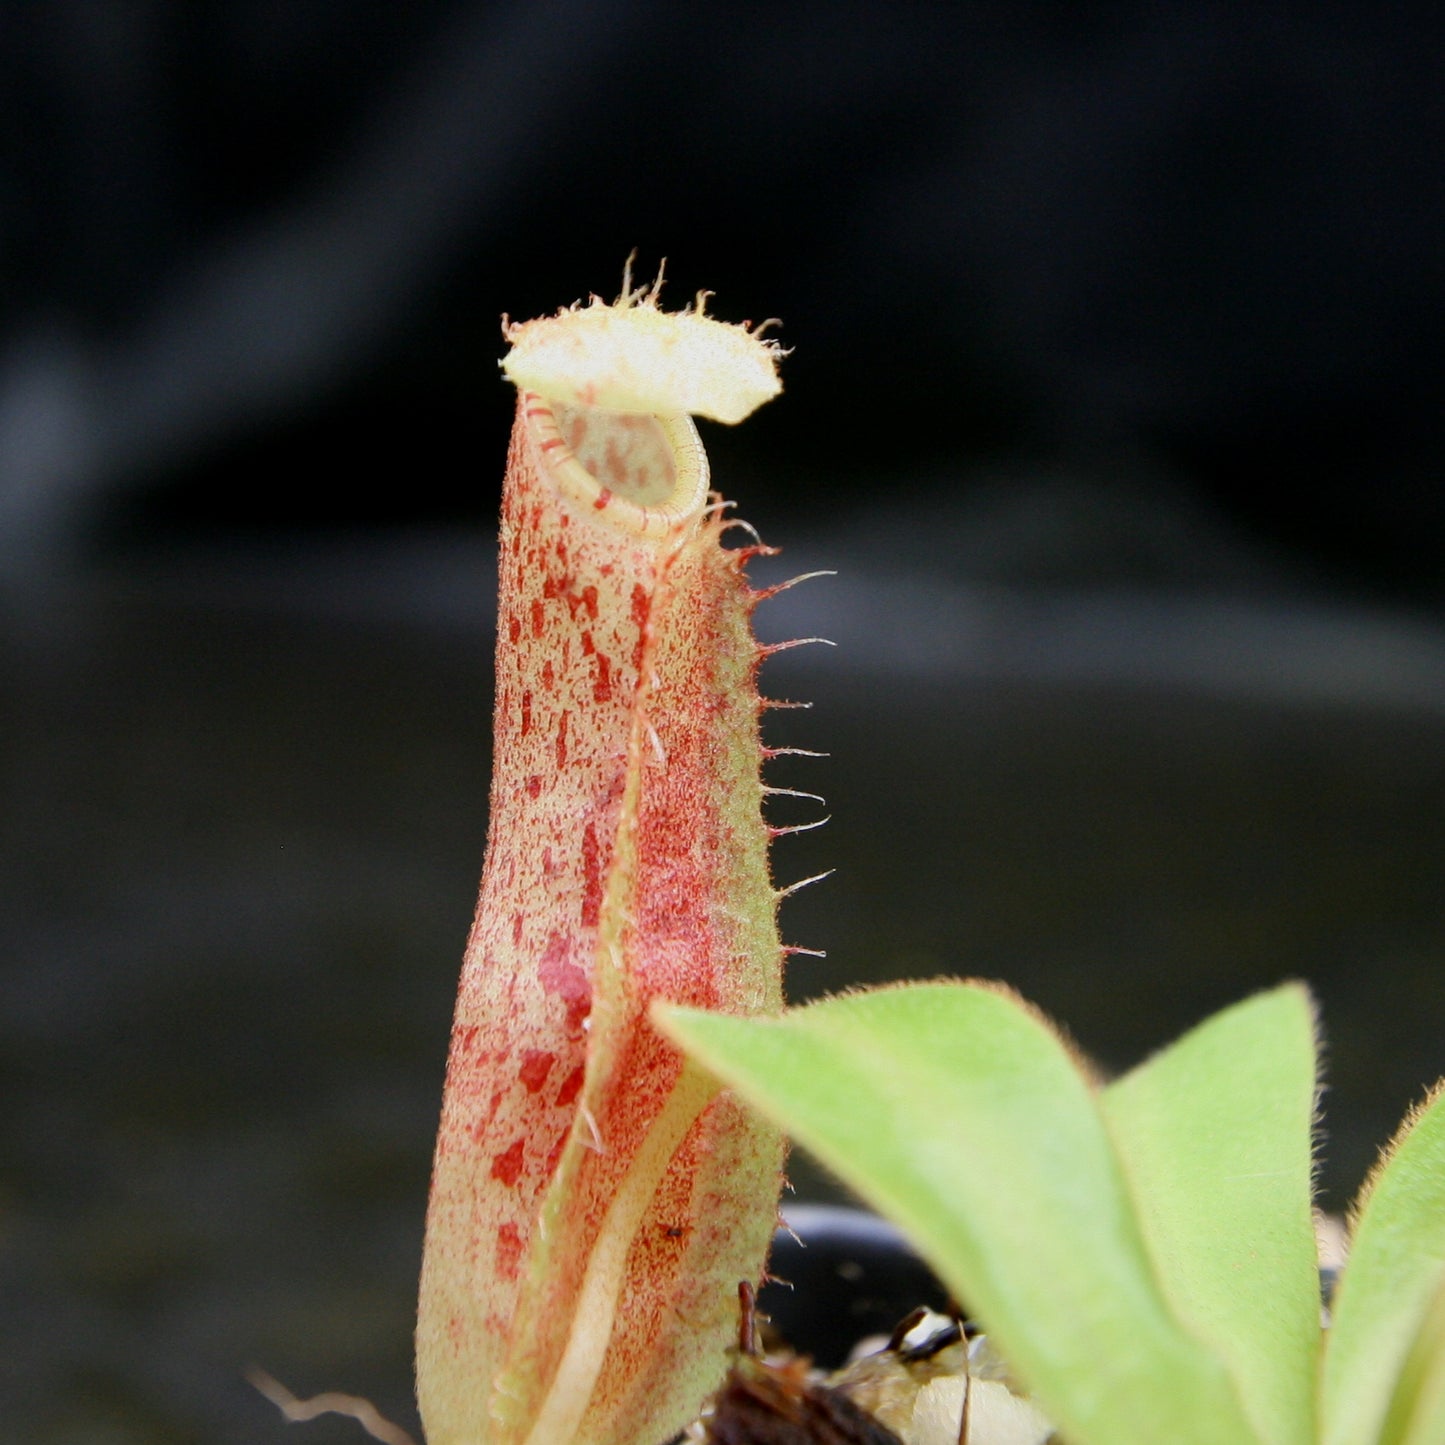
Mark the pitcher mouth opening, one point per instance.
(643, 474)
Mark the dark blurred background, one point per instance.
(1115, 401)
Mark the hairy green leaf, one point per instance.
(958, 1112)
(1392, 1274)
(1214, 1134)
(1417, 1410)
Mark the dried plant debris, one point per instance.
(780, 1400)
(936, 1383)
(932, 1384)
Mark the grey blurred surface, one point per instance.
(243, 811)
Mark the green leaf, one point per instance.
(1393, 1270)
(959, 1113)
(1214, 1134)
(1417, 1409)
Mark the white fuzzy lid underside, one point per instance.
(634, 357)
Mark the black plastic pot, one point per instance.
(838, 1275)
